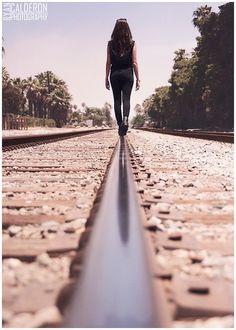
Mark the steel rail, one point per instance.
(20, 140)
(206, 135)
(117, 287)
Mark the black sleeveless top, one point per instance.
(120, 61)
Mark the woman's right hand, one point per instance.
(137, 84)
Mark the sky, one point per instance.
(72, 43)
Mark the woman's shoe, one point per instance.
(125, 124)
(121, 129)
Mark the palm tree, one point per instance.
(57, 100)
(47, 96)
(201, 16)
(31, 95)
(44, 90)
(6, 90)
(20, 88)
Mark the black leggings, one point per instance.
(122, 81)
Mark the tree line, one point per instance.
(200, 93)
(99, 116)
(45, 98)
(41, 96)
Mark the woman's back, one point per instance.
(123, 60)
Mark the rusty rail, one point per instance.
(198, 134)
(9, 142)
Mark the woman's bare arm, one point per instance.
(135, 66)
(108, 67)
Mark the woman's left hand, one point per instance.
(107, 84)
(137, 84)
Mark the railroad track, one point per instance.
(154, 229)
(24, 141)
(198, 134)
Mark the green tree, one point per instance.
(107, 113)
(201, 91)
(138, 120)
(138, 109)
(42, 96)
(215, 52)
(13, 100)
(140, 116)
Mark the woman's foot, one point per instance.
(123, 127)
(125, 124)
(121, 130)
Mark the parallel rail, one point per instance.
(206, 135)
(21, 141)
(116, 287)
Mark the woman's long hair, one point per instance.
(121, 36)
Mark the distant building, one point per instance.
(86, 123)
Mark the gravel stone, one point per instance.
(48, 315)
(193, 182)
(13, 230)
(21, 320)
(213, 322)
(153, 221)
(43, 259)
(9, 278)
(13, 263)
(6, 315)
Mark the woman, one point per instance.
(121, 61)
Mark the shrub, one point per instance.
(34, 122)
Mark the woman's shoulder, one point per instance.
(109, 44)
(132, 43)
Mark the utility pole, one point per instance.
(49, 90)
(48, 81)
